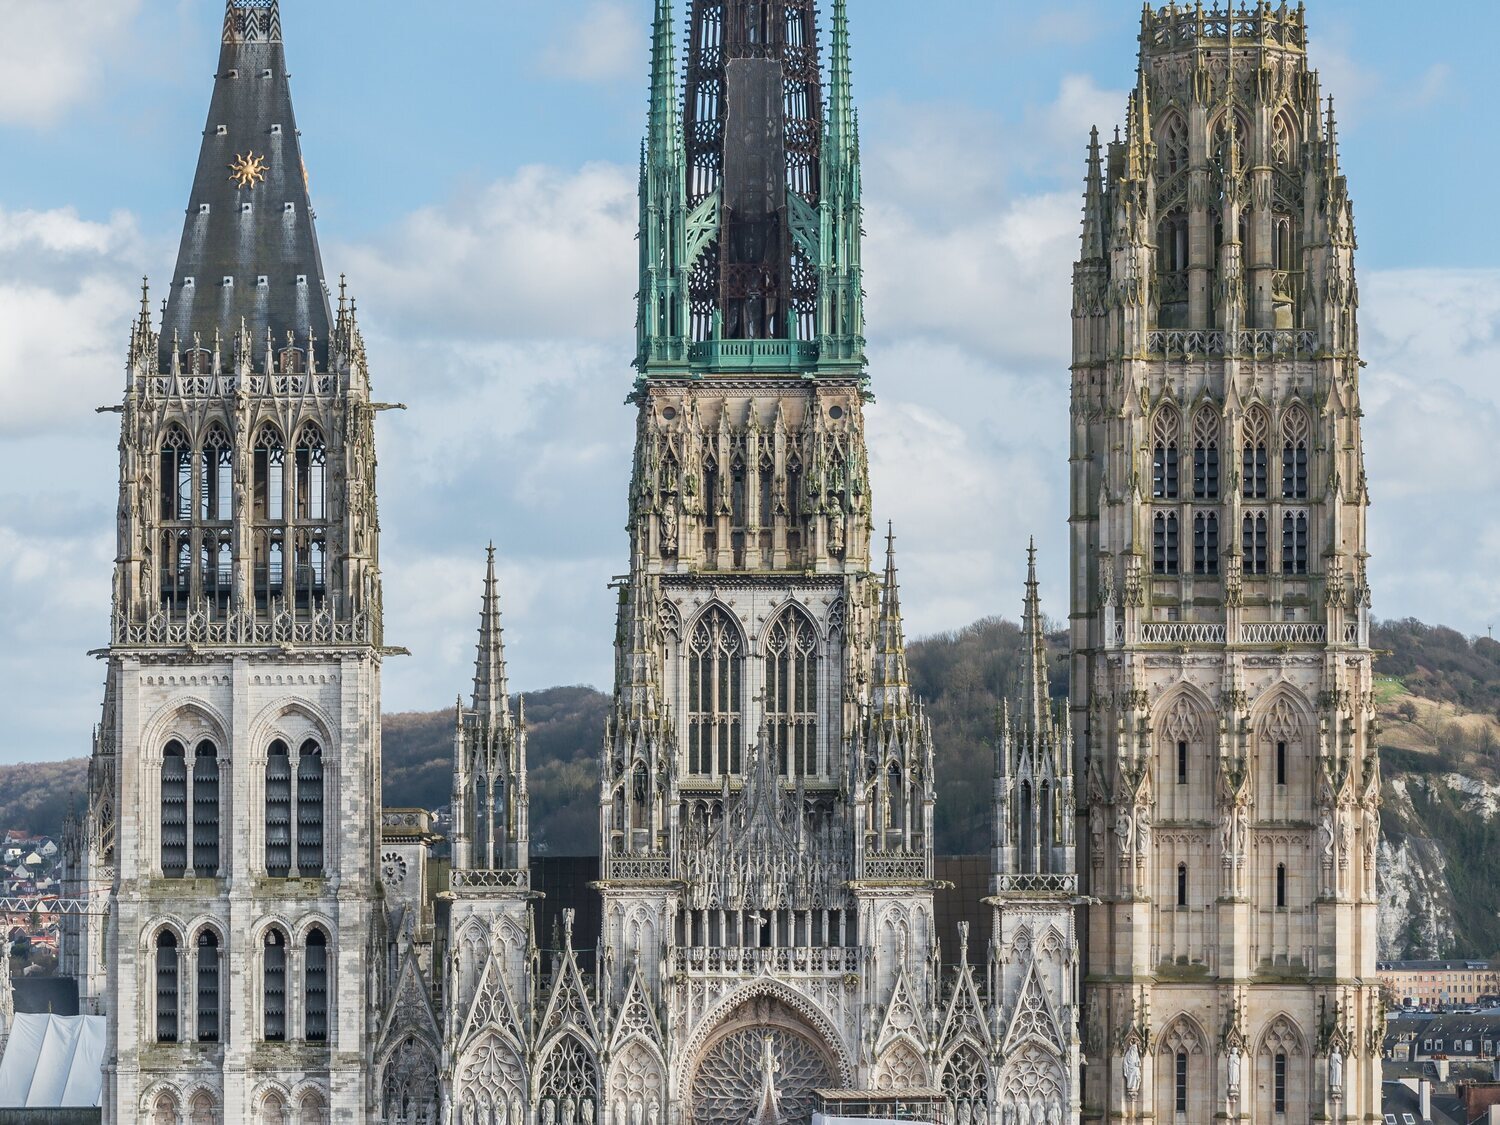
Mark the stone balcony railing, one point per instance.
(1038, 883)
(1257, 342)
(700, 960)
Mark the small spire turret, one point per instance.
(491, 686)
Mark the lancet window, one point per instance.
(164, 1110)
(1164, 543)
(1294, 433)
(176, 476)
(715, 670)
(208, 987)
(1294, 543)
(1254, 481)
(1164, 454)
(1206, 456)
(216, 497)
(792, 694)
(1206, 543)
(315, 986)
(206, 810)
(204, 1110)
(167, 973)
(270, 475)
(174, 811)
(1283, 141)
(310, 809)
(278, 809)
(1172, 146)
(1253, 542)
(273, 985)
(312, 462)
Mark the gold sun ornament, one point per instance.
(247, 170)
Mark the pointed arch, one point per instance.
(1183, 1070)
(965, 1080)
(901, 1066)
(1166, 435)
(1282, 1070)
(567, 1078)
(1286, 141)
(791, 702)
(1183, 724)
(311, 473)
(1172, 149)
(716, 651)
(1255, 445)
(1206, 429)
(1283, 726)
(1296, 444)
(489, 1074)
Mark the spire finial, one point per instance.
(491, 690)
(1094, 218)
(1035, 691)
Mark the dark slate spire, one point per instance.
(249, 253)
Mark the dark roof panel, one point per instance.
(249, 251)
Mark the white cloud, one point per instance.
(51, 54)
(603, 44)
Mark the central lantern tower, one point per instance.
(767, 784)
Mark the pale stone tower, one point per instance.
(1034, 893)
(766, 805)
(490, 943)
(1221, 667)
(236, 774)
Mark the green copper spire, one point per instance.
(841, 316)
(661, 322)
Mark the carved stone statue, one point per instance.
(1234, 1071)
(1132, 1068)
(1336, 1071)
(549, 1112)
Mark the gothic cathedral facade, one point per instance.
(1221, 677)
(1186, 933)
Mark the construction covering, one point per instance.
(53, 1062)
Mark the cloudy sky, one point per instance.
(473, 168)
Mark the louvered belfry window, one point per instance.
(174, 811)
(278, 810)
(315, 1000)
(166, 987)
(208, 987)
(273, 985)
(715, 660)
(206, 810)
(310, 809)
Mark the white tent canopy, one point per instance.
(53, 1062)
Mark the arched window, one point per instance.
(206, 810)
(1294, 543)
(1172, 145)
(1253, 542)
(1206, 543)
(270, 476)
(1257, 435)
(1231, 126)
(1182, 884)
(1180, 1082)
(174, 810)
(1164, 543)
(1294, 433)
(216, 497)
(216, 565)
(272, 1110)
(792, 694)
(1206, 456)
(1026, 831)
(176, 476)
(1281, 886)
(273, 985)
(715, 662)
(310, 809)
(895, 798)
(1278, 1083)
(278, 809)
(1172, 256)
(1164, 429)
(312, 460)
(1283, 141)
(1281, 763)
(1182, 762)
(205, 1109)
(166, 987)
(314, 1110)
(315, 986)
(208, 987)
(164, 1109)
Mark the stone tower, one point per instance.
(236, 772)
(1034, 959)
(1220, 608)
(766, 777)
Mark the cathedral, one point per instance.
(1186, 933)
